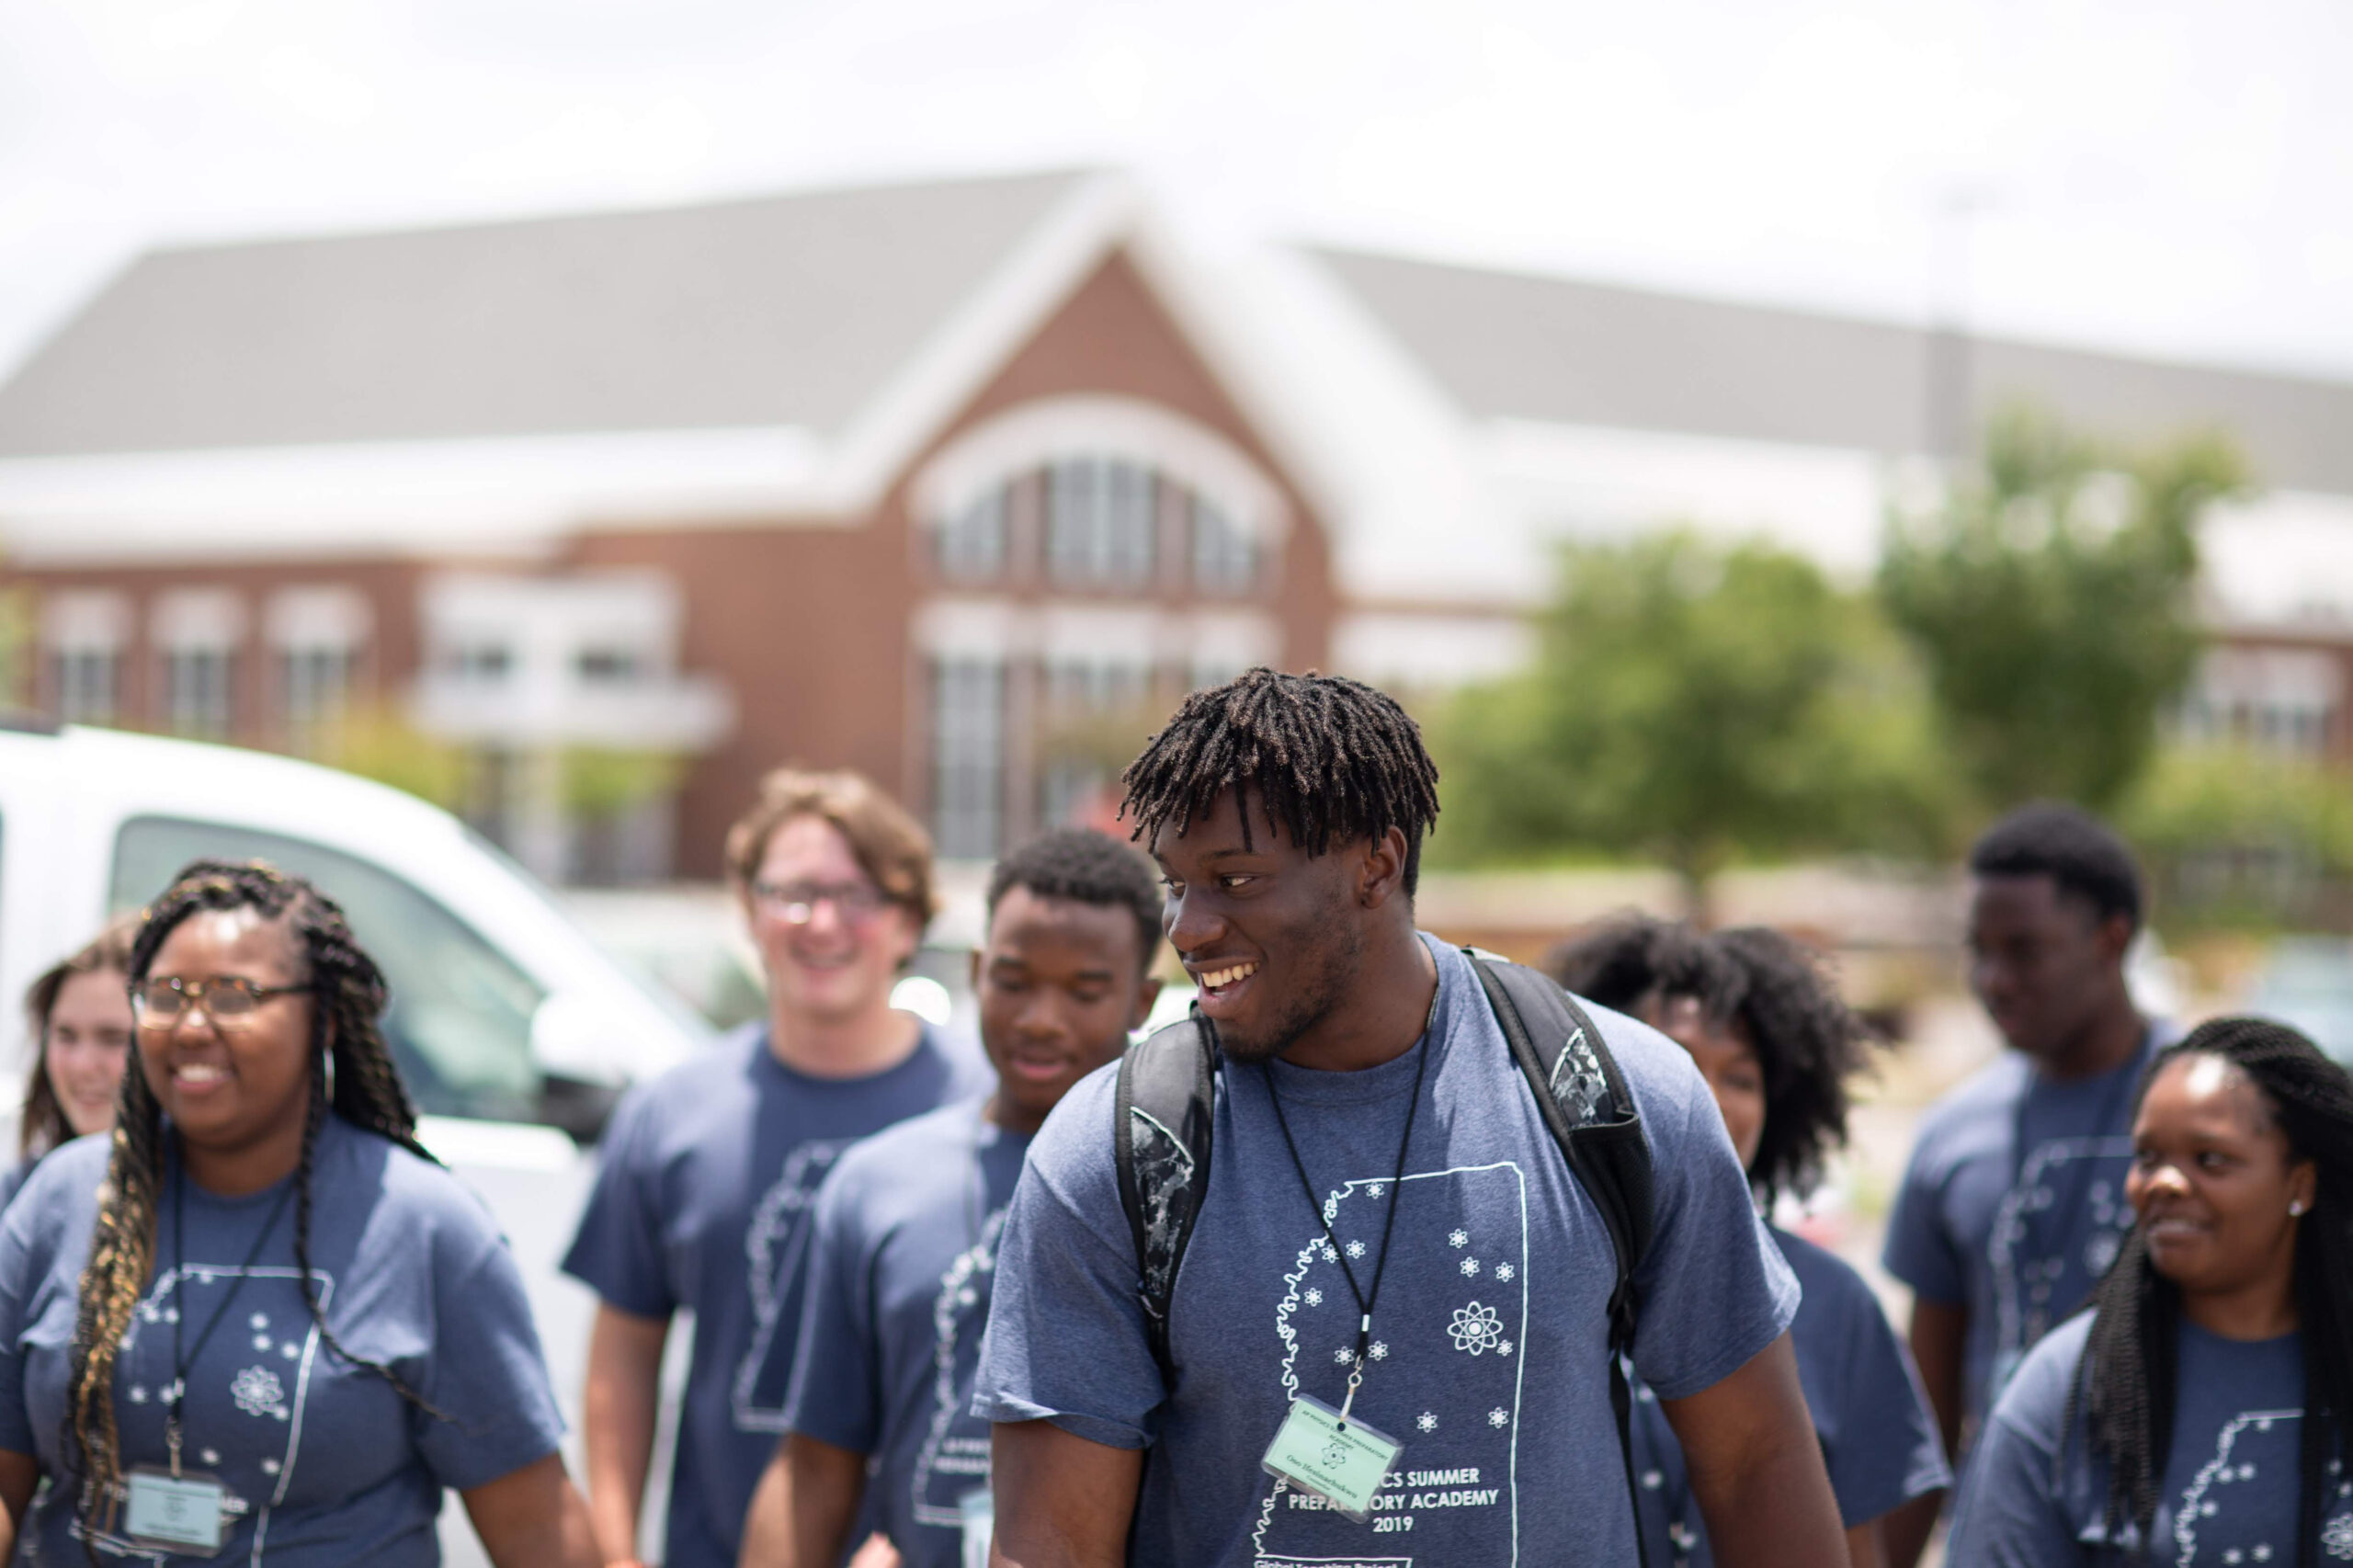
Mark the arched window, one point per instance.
(1098, 495)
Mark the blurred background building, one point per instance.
(580, 524)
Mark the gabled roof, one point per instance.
(795, 310)
(1505, 345)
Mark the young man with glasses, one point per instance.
(905, 1243)
(703, 1196)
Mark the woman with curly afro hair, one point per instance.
(1776, 1046)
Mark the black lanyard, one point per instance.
(177, 1394)
(1365, 1299)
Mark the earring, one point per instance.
(2296, 1209)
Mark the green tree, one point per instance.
(1690, 704)
(2050, 601)
(2238, 837)
(16, 645)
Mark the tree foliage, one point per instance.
(2240, 837)
(1690, 703)
(2050, 601)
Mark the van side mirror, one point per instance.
(580, 1060)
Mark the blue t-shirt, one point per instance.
(2012, 1206)
(706, 1179)
(325, 1463)
(1879, 1436)
(1489, 1355)
(13, 1179)
(2229, 1492)
(899, 1271)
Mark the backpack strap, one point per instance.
(1591, 1115)
(1167, 1087)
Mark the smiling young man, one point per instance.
(2013, 1204)
(904, 1245)
(1388, 1227)
(707, 1175)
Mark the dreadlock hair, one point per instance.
(1331, 759)
(1086, 867)
(2127, 1381)
(40, 1124)
(1807, 1041)
(348, 995)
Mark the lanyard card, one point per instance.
(977, 1509)
(179, 1512)
(1344, 1462)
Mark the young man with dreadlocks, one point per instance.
(2013, 1203)
(1389, 1237)
(902, 1252)
(1776, 1046)
(258, 1321)
(2199, 1412)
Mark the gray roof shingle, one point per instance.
(782, 311)
(1512, 346)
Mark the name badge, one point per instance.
(978, 1510)
(182, 1511)
(1344, 1462)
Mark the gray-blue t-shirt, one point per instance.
(1489, 1353)
(2012, 1206)
(2229, 1492)
(706, 1181)
(900, 1272)
(325, 1463)
(1879, 1436)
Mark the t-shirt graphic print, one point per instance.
(323, 1462)
(2055, 1232)
(954, 1458)
(1458, 1303)
(776, 1249)
(2228, 1496)
(1489, 1318)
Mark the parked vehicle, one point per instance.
(515, 1031)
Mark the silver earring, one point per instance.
(2296, 1209)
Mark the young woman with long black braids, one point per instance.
(260, 1322)
(1776, 1045)
(2197, 1413)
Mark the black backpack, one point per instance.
(1164, 1115)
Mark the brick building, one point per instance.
(962, 484)
(934, 480)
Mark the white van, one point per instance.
(514, 1031)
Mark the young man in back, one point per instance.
(2013, 1204)
(706, 1175)
(1387, 1226)
(904, 1251)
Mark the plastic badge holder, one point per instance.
(180, 1513)
(1336, 1456)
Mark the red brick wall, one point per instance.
(387, 660)
(809, 625)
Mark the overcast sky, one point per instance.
(2172, 176)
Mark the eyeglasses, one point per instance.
(228, 1000)
(796, 902)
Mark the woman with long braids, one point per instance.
(260, 1324)
(2197, 1413)
(1776, 1046)
(81, 1029)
